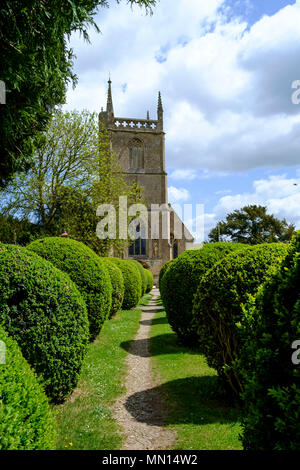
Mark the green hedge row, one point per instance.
(218, 304)
(246, 313)
(117, 282)
(162, 272)
(179, 281)
(132, 282)
(269, 360)
(26, 419)
(142, 274)
(54, 297)
(86, 269)
(42, 309)
(149, 280)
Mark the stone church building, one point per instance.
(140, 147)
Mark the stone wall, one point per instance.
(140, 147)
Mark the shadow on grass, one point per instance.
(192, 393)
(190, 400)
(151, 308)
(155, 321)
(160, 344)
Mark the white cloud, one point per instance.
(223, 191)
(127, 47)
(183, 175)
(226, 88)
(178, 194)
(281, 195)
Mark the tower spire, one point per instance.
(109, 105)
(160, 111)
(159, 106)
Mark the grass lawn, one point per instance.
(195, 411)
(85, 421)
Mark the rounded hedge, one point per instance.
(162, 272)
(268, 363)
(132, 282)
(117, 282)
(143, 275)
(143, 272)
(26, 419)
(180, 282)
(149, 276)
(86, 269)
(219, 300)
(42, 309)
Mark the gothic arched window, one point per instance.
(136, 154)
(138, 246)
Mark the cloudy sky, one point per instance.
(225, 69)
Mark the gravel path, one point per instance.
(140, 412)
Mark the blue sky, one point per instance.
(225, 70)
(253, 10)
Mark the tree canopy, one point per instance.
(252, 225)
(73, 172)
(37, 67)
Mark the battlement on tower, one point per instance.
(129, 124)
(111, 122)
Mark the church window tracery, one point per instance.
(136, 154)
(138, 246)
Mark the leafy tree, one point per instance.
(252, 225)
(19, 232)
(73, 172)
(37, 67)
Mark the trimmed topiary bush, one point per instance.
(26, 419)
(132, 282)
(140, 269)
(117, 282)
(143, 275)
(86, 269)
(149, 280)
(271, 376)
(180, 282)
(162, 272)
(218, 304)
(42, 309)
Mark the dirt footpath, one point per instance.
(141, 412)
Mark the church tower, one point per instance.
(140, 147)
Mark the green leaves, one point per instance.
(73, 171)
(224, 305)
(37, 67)
(252, 225)
(86, 269)
(42, 309)
(132, 282)
(271, 381)
(179, 281)
(26, 419)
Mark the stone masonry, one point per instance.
(140, 146)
